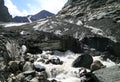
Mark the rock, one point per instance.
(28, 78)
(12, 78)
(20, 77)
(89, 77)
(26, 73)
(13, 66)
(37, 41)
(35, 80)
(38, 67)
(84, 60)
(82, 72)
(55, 61)
(28, 66)
(96, 65)
(4, 15)
(53, 80)
(110, 74)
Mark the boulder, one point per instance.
(96, 65)
(84, 60)
(28, 66)
(110, 74)
(13, 66)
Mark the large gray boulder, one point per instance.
(111, 74)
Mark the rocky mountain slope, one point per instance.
(41, 15)
(4, 14)
(94, 26)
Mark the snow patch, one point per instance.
(14, 24)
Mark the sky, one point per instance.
(31, 7)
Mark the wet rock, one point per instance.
(96, 65)
(110, 74)
(84, 60)
(38, 67)
(82, 72)
(89, 77)
(55, 61)
(13, 66)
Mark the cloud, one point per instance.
(52, 5)
(13, 10)
(35, 6)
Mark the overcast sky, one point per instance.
(30, 7)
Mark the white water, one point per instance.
(65, 72)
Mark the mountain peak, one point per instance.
(40, 15)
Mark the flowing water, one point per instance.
(64, 72)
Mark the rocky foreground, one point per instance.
(44, 58)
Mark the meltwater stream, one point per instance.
(64, 72)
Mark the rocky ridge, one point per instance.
(30, 18)
(4, 14)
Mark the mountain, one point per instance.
(41, 15)
(4, 14)
(94, 23)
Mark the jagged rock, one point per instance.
(110, 74)
(28, 66)
(101, 14)
(4, 14)
(84, 60)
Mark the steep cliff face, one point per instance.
(92, 9)
(102, 14)
(4, 14)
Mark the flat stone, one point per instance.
(111, 74)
